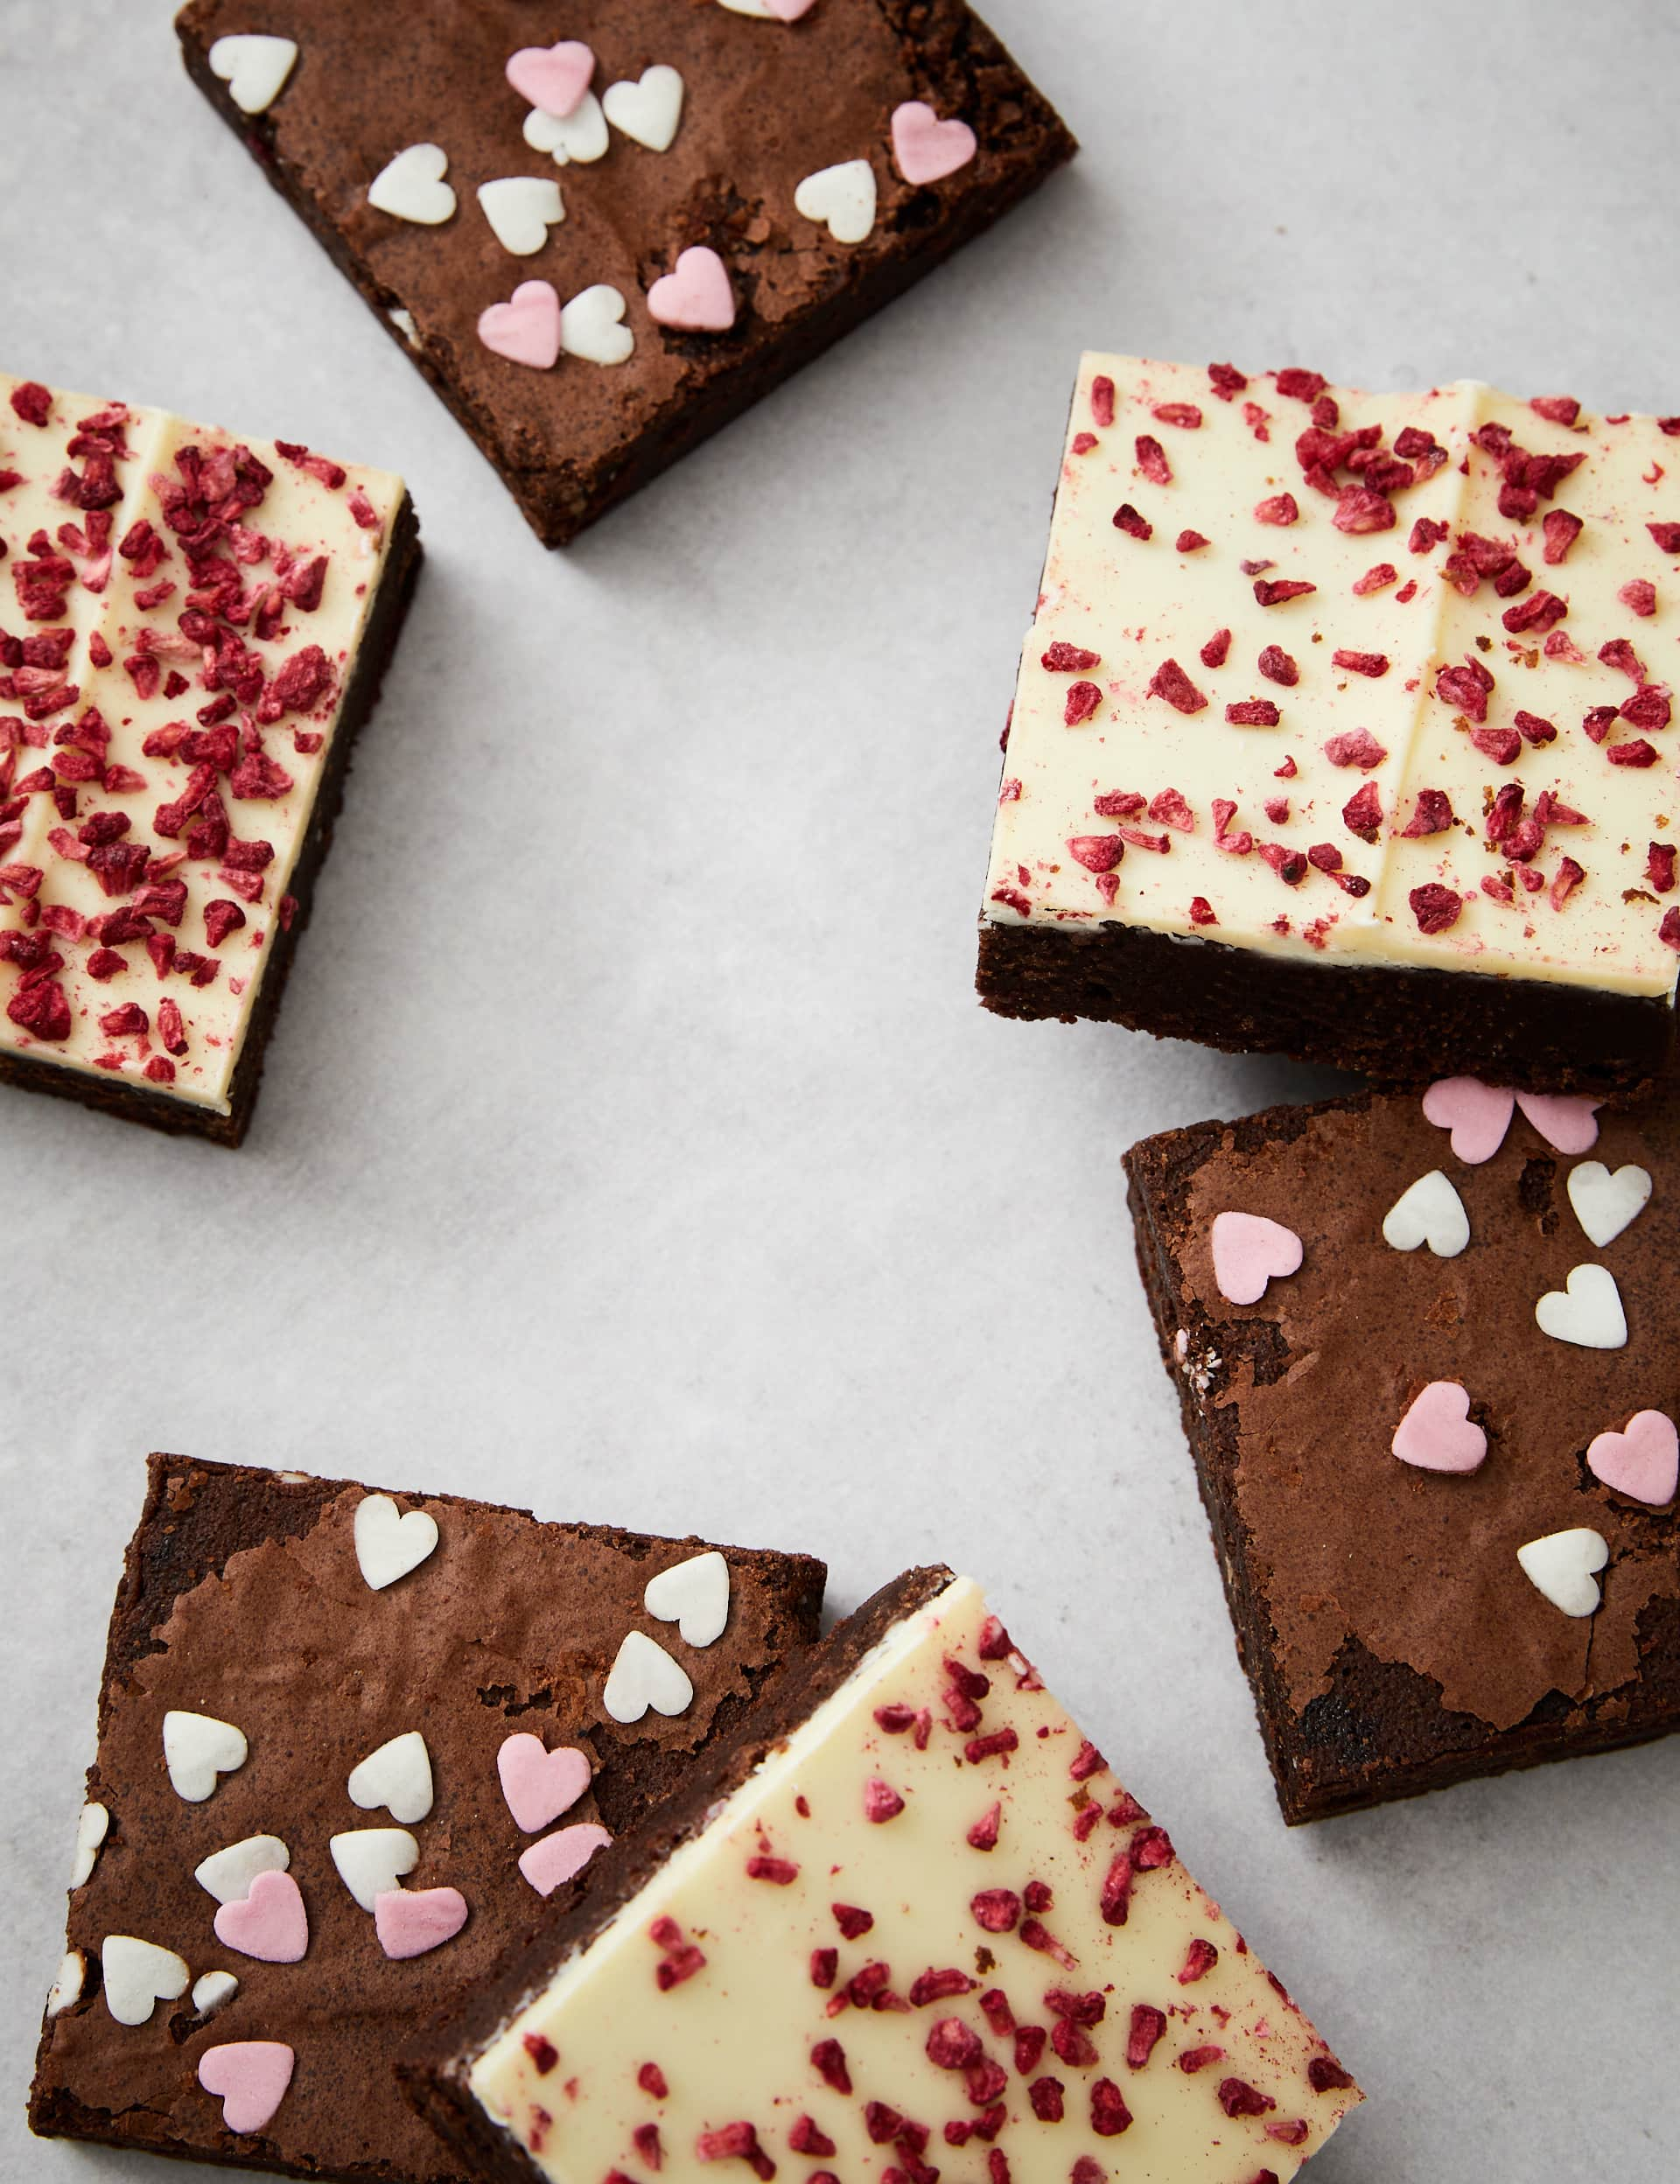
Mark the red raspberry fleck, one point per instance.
(1183, 414)
(851, 1921)
(1289, 864)
(1638, 753)
(997, 1910)
(1362, 813)
(939, 1987)
(1500, 745)
(1116, 1901)
(979, 1749)
(1110, 2115)
(1254, 712)
(1237, 2098)
(1433, 815)
(1666, 535)
(172, 1033)
(221, 917)
(895, 1719)
(647, 2146)
(1148, 2025)
(1669, 931)
(1538, 612)
(1198, 1962)
(1355, 747)
(682, 1965)
(1215, 651)
(1659, 868)
(1436, 908)
(1300, 385)
(1202, 911)
(1151, 460)
(881, 1801)
(160, 1070)
(1084, 442)
(32, 401)
(1190, 542)
(824, 1963)
(1127, 519)
(1195, 2061)
(1533, 729)
(1170, 682)
(1278, 594)
(1234, 844)
(1036, 1896)
(1326, 2075)
(1556, 409)
(806, 2137)
(1124, 803)
(828, 2061)
(1063, 659)
(1046, 2095)
(780, 1872)
(1277, 666)
(1096, 852)
(1169, 806)
(1620, 655)
(43, 1009)
(1466, 687)
(1226, 380)
(1083, 699)
(105, 962)
(1649, 706)
(1426, 534)
(1292, 2133)
(1359, 509)
(994, 2007)
(1371, 663)
(1103, 401)
(882, 2123)
(1406, 593)
(1282, 508)
(125, 1022)
(1562, 529)
(1375, 579)
(953, 2045)
(735, 2142)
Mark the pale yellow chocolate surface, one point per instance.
(1140, 602)
(298, 519)
(733, 2042)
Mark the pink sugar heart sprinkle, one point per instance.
(926, 148)
(269, 1923)
(1250, 1251)
(1642, 1461)
(250, 2077)
(1478, 1116)
(1567, 1124)
(408, 1921)
(554, 78)
(526, 330)
(1438, 1432)
(560, 1856)
(697, 297)
(540, 1785)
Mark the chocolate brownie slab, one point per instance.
(348, 1742)
(601, 250)
(905, 1920)
(1340, 730)
(192, 632)
(1429, 1367)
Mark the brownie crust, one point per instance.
(1399, 1025)
(1381, 1730)
(131, 1101)
(568, 449)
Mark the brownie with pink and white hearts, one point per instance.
(602, 249)
(1429, 1366)
(350, 1744)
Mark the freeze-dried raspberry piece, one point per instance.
(1666, 535)
(1376, 578)
(1151, 460)
(1185, 415)
(1502, 746)
(1362, 813)
(1355, 747)
(1119, 803)
(1638, 595)
(1226, 380)
(1570, 876)
(1234, 844)
(1202, 911)
(1083, 699)
(823, 1965)
(104, 963)
(1533, 729)
(1360, 509)
(221, 917)
(1538, 612)
(1253, 712)
(1278, 592)
(1103, 401)
(1289, 864)
(1127, 519)
(1561, 531)
(1597, 724)
(171, 1032)
(1426, 534)
(1620, 653)
(1557, 408)
(1669, 931)
(1214, 653)
(1110, 2115)
(1468, 687)
(41, 1007)
(1282, 508)
(32, 401)
(1650, 707)
(1064, 658)
(1371, 663)
(881, 1801)
(1659, 867)
(1190, 542)
(1436, 908)
(1170, 682)
(1258, 420)
(1277, 666)
(1301, 386)
(1638, 753)
(1433, 815)
(997, 1910)
(1084, 442)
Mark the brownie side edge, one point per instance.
(1399, 1024)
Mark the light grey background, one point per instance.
(631, 1144)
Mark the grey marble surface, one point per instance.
(631, 1144)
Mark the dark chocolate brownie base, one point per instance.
(435, 2072)
(1380, 1732)
(949, 58)
(205, 1520)
(133, 1101)
(1397, 1026)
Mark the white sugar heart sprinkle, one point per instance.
(412, 188)
(643, 1676)
(254, 68)
(1563, 1565)
(397, 1776)
(228, 1875)
(1606, 1204)
(1430, 1212)
(197, 1749)
(842, 198)
(66, 1988)
(521, 209)
(136, 1975)
(694, 1595)
(577, 140)
(390, 1544)
(371, 1861)
(93, 1825)
(213, 1992)
(1588, 1312)
(648, 110)
(592, 326)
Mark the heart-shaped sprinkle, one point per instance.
(1568, 1124)
(397, 1776)
(136, 1974)
(540, 1785)
(926, 148)
(389, 1544)
(841, 198)
(553, 77)
(1430, 1212)
(649, 110)
(228, 1875)
(592, 326)
(250, 2078)
(412, 188)
(197, 1749)
(1587, 1312)
(1438, 1432)
(66, 1988)
(521, 209)
(644, 1674)
(579, 140)
(694, 1595)
(526, 330)
(1606, 1204)
(1563, 1565)
(93, 1825)
(254, 68)
(213, 1992)
(1642, 1461)
(1477, 1114)
(559, 1857)
(408, 1922)
(270, 1923)
(1250, 1251)
(697, 297)
(771, 11)
(371, 1861)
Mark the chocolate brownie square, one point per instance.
(348, 1743)
(905, 1919)
(600, 251)
(1428, 1363)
